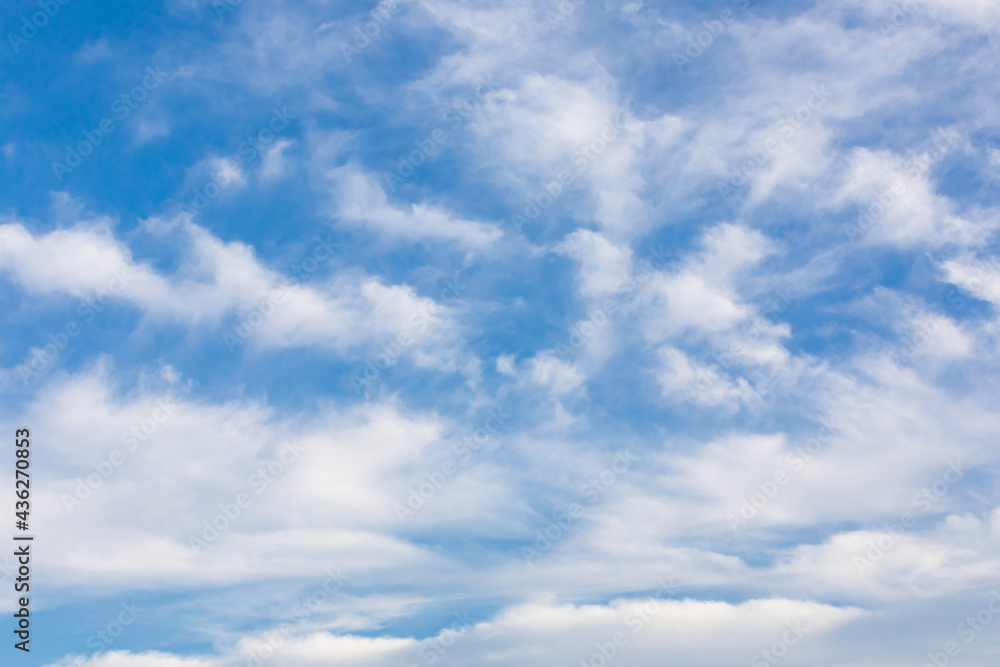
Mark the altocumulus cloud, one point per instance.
(751, 245)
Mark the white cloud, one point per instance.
(274, 163)
(559, 376)
(981, 277)
(603, 265)
(958, 554)
(685, 379)
(215, 281)
(225, 170)
(900, 415)
(329, 501)
(127, 659)
(701, 296)
(544, 633)
(896, 202)
(360, 200)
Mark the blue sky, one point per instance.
(512, 333)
